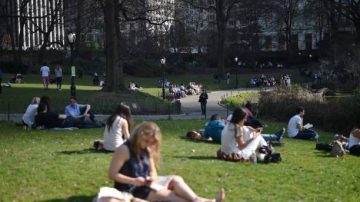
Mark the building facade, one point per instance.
(32, 24)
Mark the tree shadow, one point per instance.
(323, 154)
(81, 198)
(197, 157)
(83, 151)
(198, 141)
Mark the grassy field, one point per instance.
(16, 99)
(61, 166)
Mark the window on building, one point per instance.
(268, 42)
(282, 42)
(308, 41)
(295, 42)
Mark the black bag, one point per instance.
(270, 154)
(323, 146)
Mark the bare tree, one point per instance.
(287, 12)
(349, 9)
(54, 18)
(222, 10)
(12, 15)
(129, 10)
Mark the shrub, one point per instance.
(240, 99)
(13, 67)
(337, 115)
(142, 68)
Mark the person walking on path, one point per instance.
(203, 101)
(58, 76)
(45, 71)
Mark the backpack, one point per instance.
(337, 149)
(270, 154)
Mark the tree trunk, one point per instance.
(112, 63)
(221, 30)
(220, 50)
(119, 64)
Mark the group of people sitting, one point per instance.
(176, 91)
(180, 91)
(262, 81)
(326, 74)
(39, 115)
(240, 135)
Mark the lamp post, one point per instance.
(163, 61)
(71, 39)
(236, 71)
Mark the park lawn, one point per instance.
(61, 166)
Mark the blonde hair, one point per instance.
(146, 129)
(35, 100)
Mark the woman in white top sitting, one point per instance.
(240, 139)
(354, 142)
(31, 111)
(117, 128)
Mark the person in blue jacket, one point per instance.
(214, 127)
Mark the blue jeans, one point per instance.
(270, 137)
(306, 134)
(203, 108)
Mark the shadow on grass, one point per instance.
(198, 141)
(73, 198)
(323, 154)
(197, 157)
(83, 151)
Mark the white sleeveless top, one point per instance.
(353, 140)
(113, 138)
(228, 138)
(29, 114)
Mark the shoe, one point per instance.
(280, 134)
(317, 137)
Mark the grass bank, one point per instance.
(61, 166)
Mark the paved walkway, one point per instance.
(189, 105)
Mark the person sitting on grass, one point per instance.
(46, 100)
(297, 130)
(213, 128)
(354, 142)
(134, 169)
(28, 118)
(78, 111)
(251, 120)
(47, 119)
(238, 139)
(117, 128)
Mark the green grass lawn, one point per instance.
(17, 98)
(61, 166)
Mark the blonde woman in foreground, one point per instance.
(134, 170)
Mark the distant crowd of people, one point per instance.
(177, 91)
(325, 75)
(265, 81)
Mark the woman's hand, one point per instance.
(140, 181)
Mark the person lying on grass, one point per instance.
(214, 127)
(134, 169)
